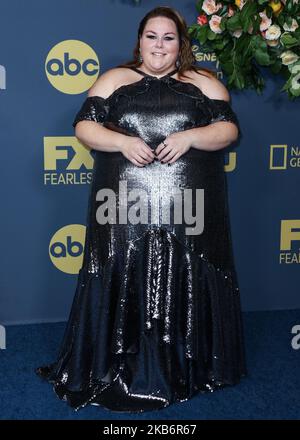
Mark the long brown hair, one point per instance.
(186, 56)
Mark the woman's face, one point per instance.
(159, 44)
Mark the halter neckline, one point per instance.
(152, 76)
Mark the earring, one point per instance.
(177, 63)
(140, 56)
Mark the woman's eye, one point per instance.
(153, 36)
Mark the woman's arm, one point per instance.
(212, 137)
(92, 133)
(97, 137)
(219, 134)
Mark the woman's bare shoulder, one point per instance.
(209, 85)
(108, 81)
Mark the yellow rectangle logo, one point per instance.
(278, 157)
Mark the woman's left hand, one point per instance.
(177, 144)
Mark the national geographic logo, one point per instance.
(289, 242)
(283, 157)
(66, 248)
(72, 66)
(66, 161)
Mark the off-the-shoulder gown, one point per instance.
(156, 315)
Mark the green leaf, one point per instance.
(246, 23)
(289, 20)
(223, 24)
(243, 43)
(192, 29)
(288, 38)
(262, 57)
(199, 6)
(248, 10)
(227, 67)
(284, 88)
(289, 6)
(256, 24)
(262, 2)
(240, 82)
(281, 20)
(233, 23)
(258, 42)
(219, 44)
(276, 67)
(211, 35)
(202, 33)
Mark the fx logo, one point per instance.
(60, 148)
(290, 231)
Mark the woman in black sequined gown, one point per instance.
(156, 315)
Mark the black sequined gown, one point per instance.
(156, 314)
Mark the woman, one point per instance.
(156, 314)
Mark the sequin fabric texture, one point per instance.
(156, 314)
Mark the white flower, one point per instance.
(214, 24)
(295, 82)
(289, 57)
(293, 26)
(265, 22)
(210, 7)
(273, 33)
(294, 69)
(237, 33)
(272, 43)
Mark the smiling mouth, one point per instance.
(158, 54)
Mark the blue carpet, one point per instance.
(271, 390)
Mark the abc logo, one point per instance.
(72, 66)
(66, 248)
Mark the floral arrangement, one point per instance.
(246, 34)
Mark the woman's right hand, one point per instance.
(137, 151)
